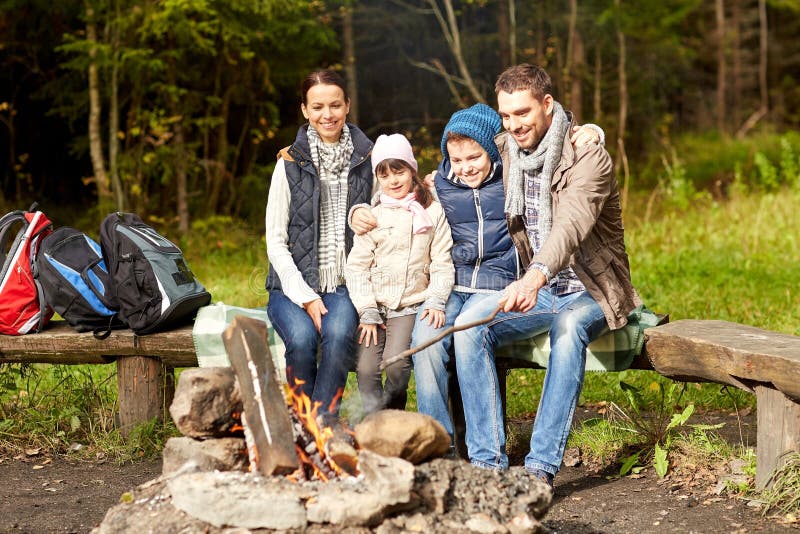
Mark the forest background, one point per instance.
(175, 109)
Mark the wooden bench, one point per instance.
(145, 364)
(762, 362)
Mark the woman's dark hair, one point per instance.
(424, 196)
(322, 77)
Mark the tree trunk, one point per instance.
(95, 139)
(349, 61)
(113, 116)
(762, 57)
(567, 73)
(512, 31)
(721, 65)
(540, 46)
(180, 178)
(762, 73)
(576, 77)
(218, 171)
(507, 32)
(452, 35)
(10, 175)
(502, 32)
(622, 157)
(598, 80)
(736, 59)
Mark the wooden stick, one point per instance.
(444, 333)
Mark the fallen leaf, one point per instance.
(33, 452)
(47, 461)
(51, 489)
(38, 467)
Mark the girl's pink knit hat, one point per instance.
(394, 146)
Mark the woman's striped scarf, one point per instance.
(333, 167)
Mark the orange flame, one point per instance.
(307, 413)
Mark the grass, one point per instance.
(733, 260)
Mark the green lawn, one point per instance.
(734, 260)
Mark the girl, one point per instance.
(398, 268)
(316, 181)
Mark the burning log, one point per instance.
(324, 453)
(264, 404)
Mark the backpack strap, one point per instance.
(6, 222)
(42, 304)
(114, 323)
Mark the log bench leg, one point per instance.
(778, 431)
(145, 387)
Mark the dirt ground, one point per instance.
(44, 494)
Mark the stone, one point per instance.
(222, 454)
(391, 477)
(411, 436)
(386, 489)
(207, 402)
(238, 500)
(484, 524)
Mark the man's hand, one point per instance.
(581, 135)
(369, 332)
(363, 221)
(429, 179)
(521, 295)
(316, 309)
(435, 317)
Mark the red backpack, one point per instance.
(22, 305)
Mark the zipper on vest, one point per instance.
(477, 197)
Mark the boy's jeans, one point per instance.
(574, 320)
(430, 364)
(294, 326)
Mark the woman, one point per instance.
(316, 181)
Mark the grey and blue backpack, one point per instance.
(154, 286)
(75, 281)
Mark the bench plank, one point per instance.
(59, 343)
(724, 352)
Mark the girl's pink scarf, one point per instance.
(421, 221)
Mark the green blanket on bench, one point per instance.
(613, 351)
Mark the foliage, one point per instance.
(714, 163)
(653, 422)
(783, 495)
(601, 442)
(70, 409)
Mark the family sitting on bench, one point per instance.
(527, 221)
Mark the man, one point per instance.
(563, 212)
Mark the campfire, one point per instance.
(281, 424)
(323, 452)
(254, 455)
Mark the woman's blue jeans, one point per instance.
(574, 321)
(323, 382)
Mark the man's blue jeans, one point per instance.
(301, 339)
(574, 321)
(430, 364)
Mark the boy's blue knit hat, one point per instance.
(480, 123)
